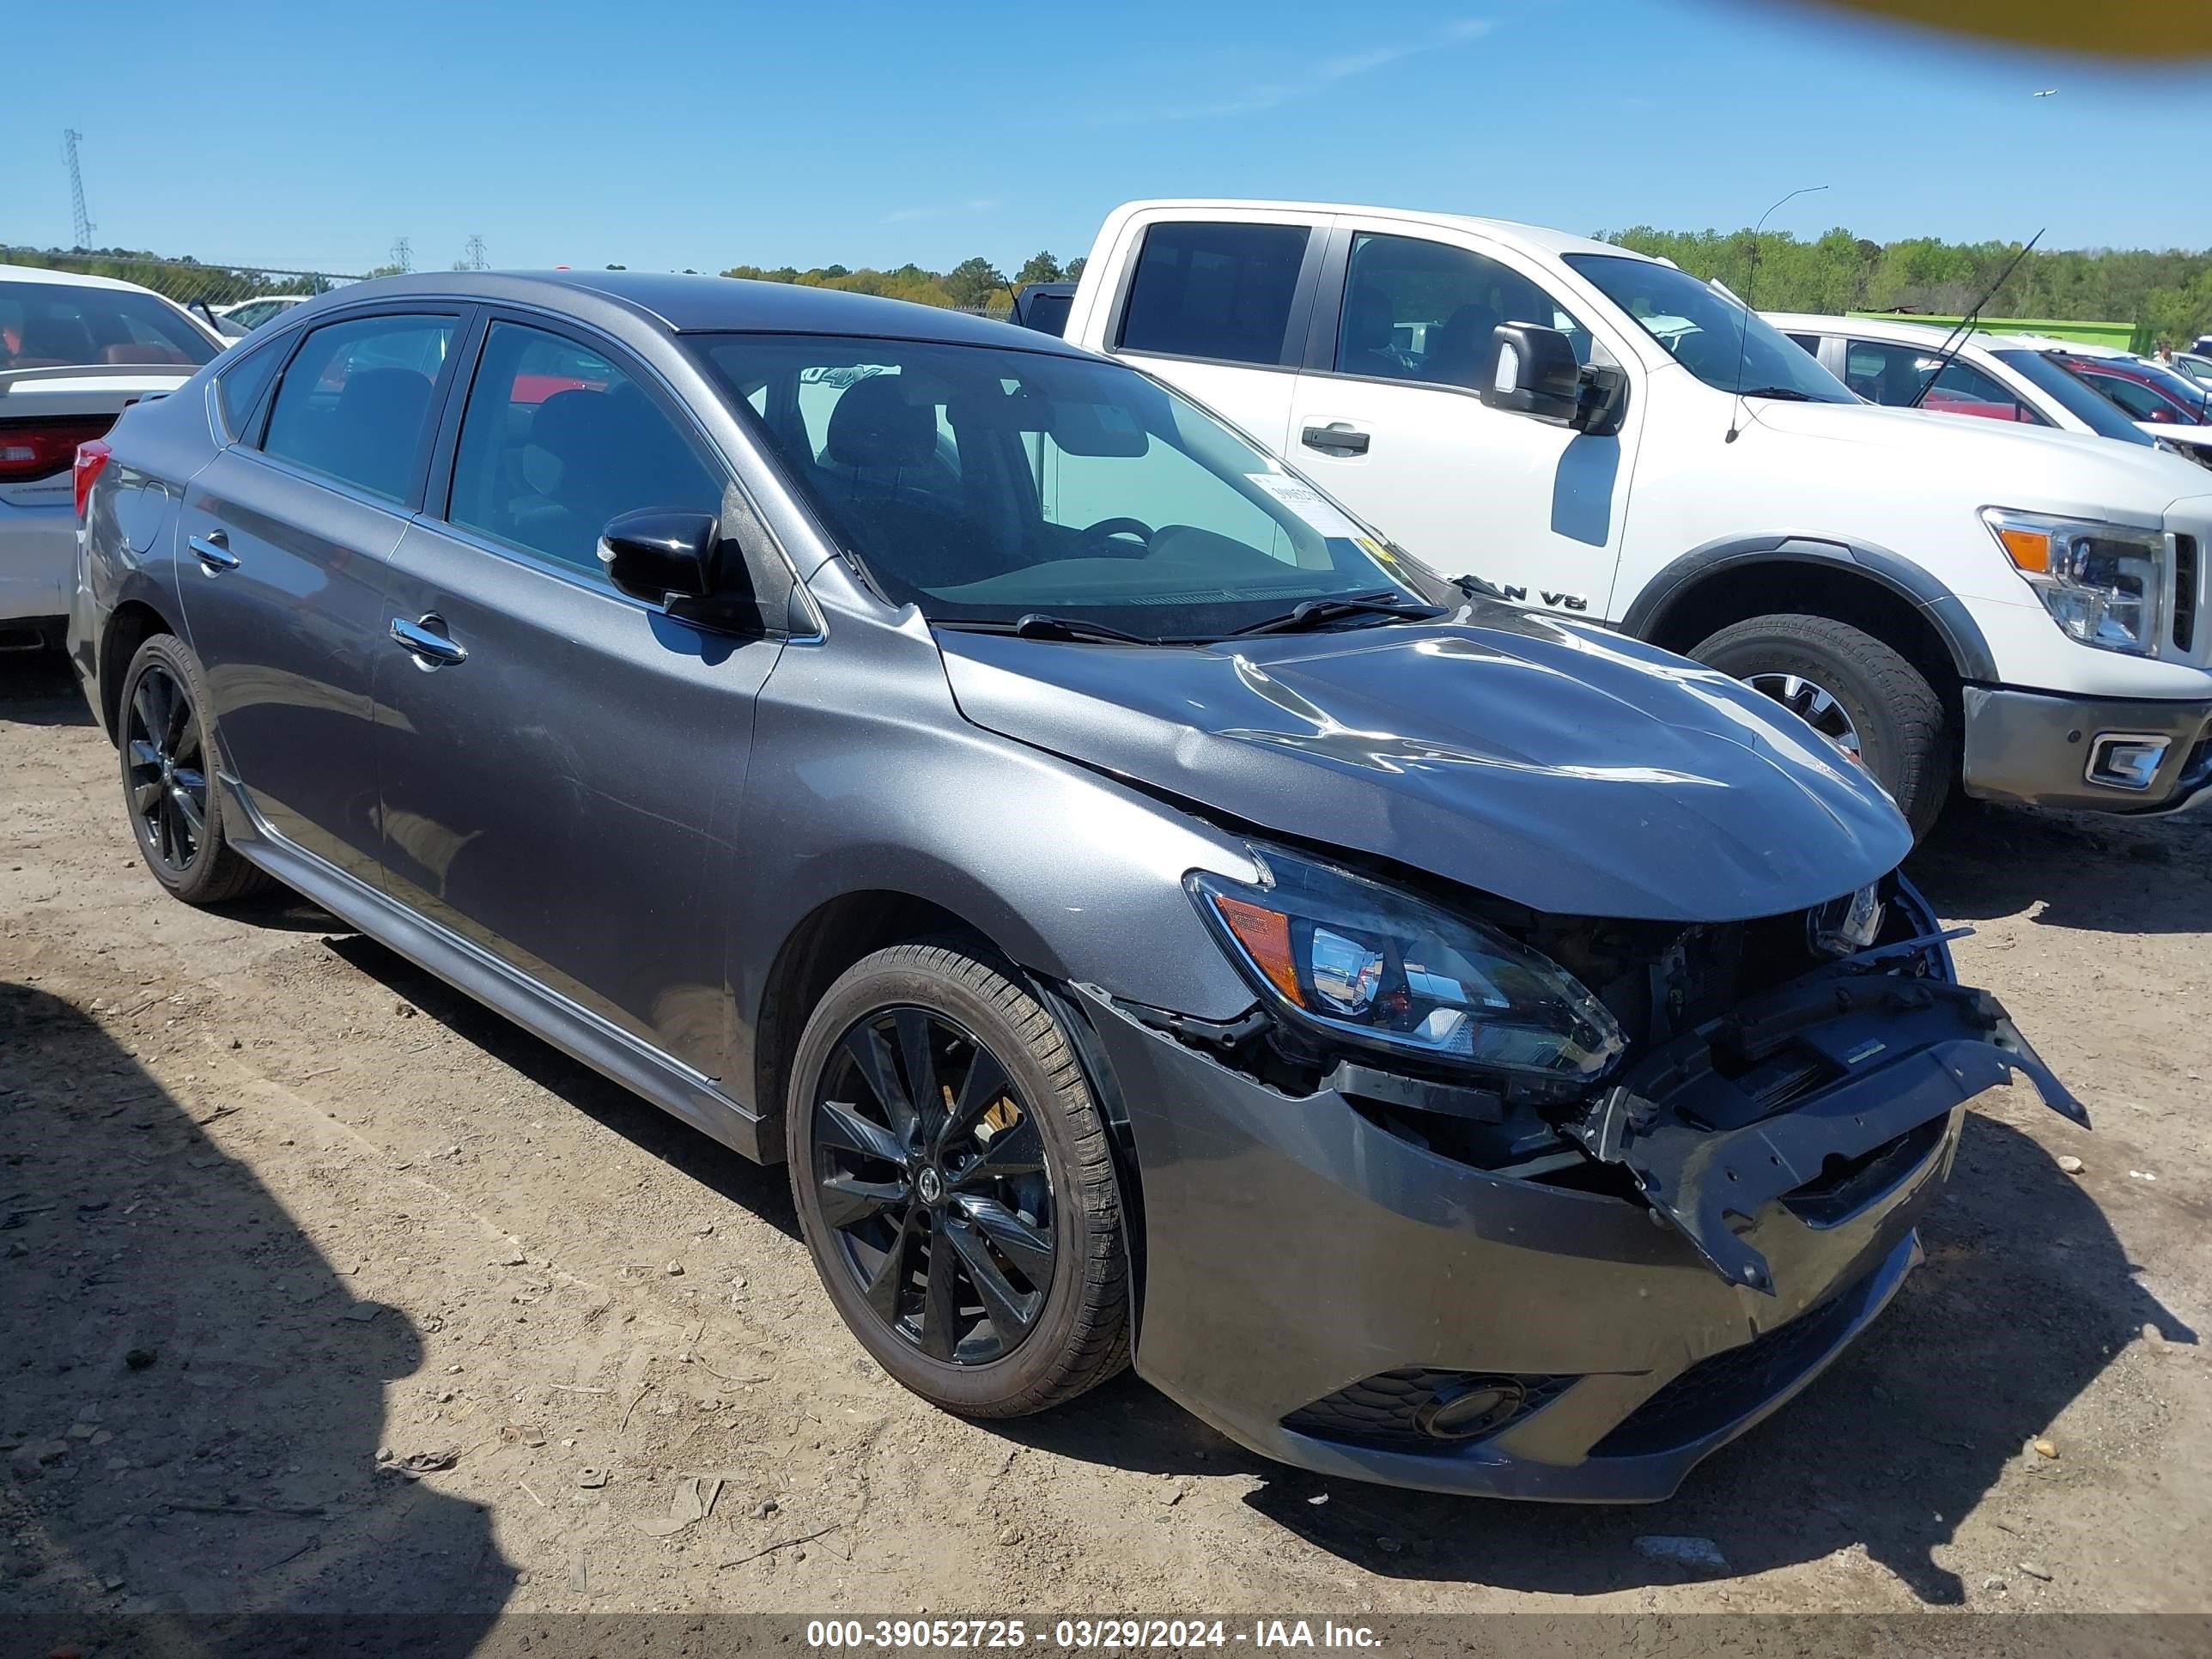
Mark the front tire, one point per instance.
(165, 735)
(955, 1183)
(1859, 691)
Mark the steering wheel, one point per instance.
(1106, 529)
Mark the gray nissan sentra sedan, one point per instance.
(1157, 920)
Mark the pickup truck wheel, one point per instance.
(955, 1184)
(1855, 688)
(166, 735)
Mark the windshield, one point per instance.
(1703, 331)
(63, 325)
(2100, 417)
(985, 484)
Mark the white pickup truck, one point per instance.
(1600, 434)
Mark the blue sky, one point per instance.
(672, 133)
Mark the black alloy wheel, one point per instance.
(165, 733)
(955, 1181)
(930, 1169)
(165, 770)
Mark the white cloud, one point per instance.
(1317, 77)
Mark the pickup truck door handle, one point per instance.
(427, 642)
(213, 551)
(1334, 438)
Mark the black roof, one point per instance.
(707, 304)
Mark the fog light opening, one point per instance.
(1466, 1410)
(2125, 760)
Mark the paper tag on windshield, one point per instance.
(1308, 503)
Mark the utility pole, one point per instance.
(477, 260)
(82, 225)
(402, 253)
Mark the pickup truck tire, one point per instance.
(1008, 1291)
(1898, 718)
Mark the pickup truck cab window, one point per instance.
(1707, 333)
(556, 439)
(1218, 291)
(983, 485)
(1422, 311)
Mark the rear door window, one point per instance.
(556, 439)
(2139, 400)
(1884, 372)
(1218, 291)
(1426, 311)
(241, 386)
(357, 401)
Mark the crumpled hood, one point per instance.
(1554, 765)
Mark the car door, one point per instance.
(557, 761)
(288, 529)
(1218, 308)
(1386, 416)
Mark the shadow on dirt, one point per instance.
(764, 1192)
(37, 688)
(193, 1395)
(2026, 1298)
(2107, 874)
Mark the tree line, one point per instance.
(2167, 294)
(974, 285)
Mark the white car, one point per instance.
(1605, 437)
(2005, 377)
(75, 352)
(246, 315)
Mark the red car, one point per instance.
(2146, 392)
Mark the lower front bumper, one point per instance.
(2040, 748)
(1294, 1249)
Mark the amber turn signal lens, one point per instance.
(1265, 937)
(2030, 548)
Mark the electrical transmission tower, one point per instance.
(402, 253)
(477, 260)
(83, 220)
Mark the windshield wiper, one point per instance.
(1036, 625)
(1789, 394)
(1314, 613)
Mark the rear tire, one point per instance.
(1835, 672)
(1020, 1213)
(165, 736)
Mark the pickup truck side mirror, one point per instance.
(1535, 374)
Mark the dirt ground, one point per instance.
(280, 1214)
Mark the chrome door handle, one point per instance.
(427, 642)
(213, 551)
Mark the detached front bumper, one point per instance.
(1316, 1287)
(2040, 748)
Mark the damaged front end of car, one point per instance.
(1460, 1134)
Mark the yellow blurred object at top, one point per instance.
(2141, 29)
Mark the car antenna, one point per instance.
(1955, 340)
(1751, 280)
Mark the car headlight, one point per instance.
(1374, 966)
(2104, 584)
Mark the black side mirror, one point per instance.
(1536, 373)
(665, 557)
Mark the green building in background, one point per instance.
(2122, 337)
